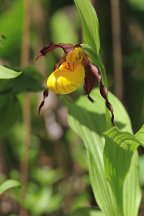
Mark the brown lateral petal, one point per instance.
(51, 46)
(45, 95)
(103, 90)
(89, 81)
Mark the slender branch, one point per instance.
(39, 21)
(117, 52)
(26, 105)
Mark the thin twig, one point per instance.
(117, 52)
(26, 105)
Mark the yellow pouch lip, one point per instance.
(63, 81)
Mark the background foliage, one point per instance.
(58, 181)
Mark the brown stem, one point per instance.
(39, 22)
(117, 52)
(1, 159)
(26, 105)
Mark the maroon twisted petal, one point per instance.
(103, 90)
(45, 95)
(88, 81)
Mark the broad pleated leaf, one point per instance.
(140, 135)
(132, 190)
(8, 184)
(88, 121)
(6, 73)
(118, 151)
(141, 169)
(90, 23)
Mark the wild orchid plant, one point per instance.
(111, 150)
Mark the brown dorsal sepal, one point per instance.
(51, 46)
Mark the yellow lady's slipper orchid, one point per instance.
(68, 77)
(71, 70)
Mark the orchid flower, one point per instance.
(73, 68)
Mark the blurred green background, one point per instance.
(55, 172)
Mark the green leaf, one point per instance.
(47, 176)
(141, 165)
(30, 80)
(63, 29)
(85, 211)
(88, 121)
(8, 184)
(42, 200)
(38, 201)
(1, 38)
(6, 73)
(132, 190)
(9, 112)
(12, 45)
(137, 4)
(118, 151)
(140, 135)
(90, 24)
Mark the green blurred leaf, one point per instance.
(140, 135)
(63, 28)
(88, 121)
(90, 24)
(47, 176)
(87, 212)
(38, 202)
(8, 184)
(6, 73)
(41, 200)
(30, 80)
(82, 199)
(1, 39)
(11, 26)
(118, 151)
(138, 4)
(9, 112)
(55, 202)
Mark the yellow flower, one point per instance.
(68, 77)
(73, 68)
